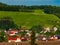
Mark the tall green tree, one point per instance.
(6, 23)
(33, 38)
(37, 28)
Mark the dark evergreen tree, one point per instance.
(6, 23)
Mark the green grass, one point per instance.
(30, 19)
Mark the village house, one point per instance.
(53, 38)
(46, 29)
(14, 39)
(12, 32)
(55, 29)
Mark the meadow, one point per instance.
(29, 19)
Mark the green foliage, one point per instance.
(37, 28)
(33, 38)
(52, 10)
(23, 33)
(58, 32)
(3, 37)
(6, 23)
(57, 14)
(50, 33)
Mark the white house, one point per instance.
(46, 29)
(55, 29)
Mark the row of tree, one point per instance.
(46, 8)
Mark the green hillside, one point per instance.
(29, 19)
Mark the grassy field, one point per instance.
(30, 19)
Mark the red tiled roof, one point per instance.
(12, 38)
(11, 32)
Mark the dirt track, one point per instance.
(39, 43)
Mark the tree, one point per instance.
(37, 28)
(3, 37)
(6, 23)
(33, 38)
(49, 34)
(23, 33)
(58, 31)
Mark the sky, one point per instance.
(31, 2)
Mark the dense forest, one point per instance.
(46, 8)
